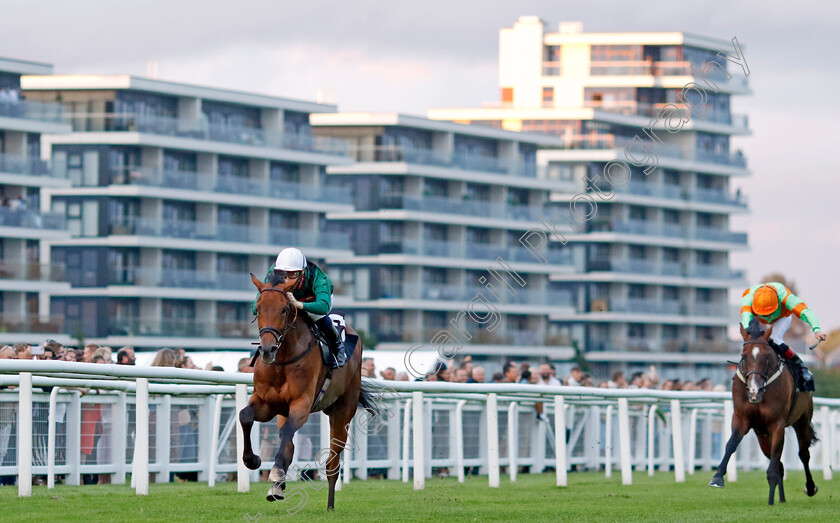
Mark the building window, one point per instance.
(507, 95)
(548, 96)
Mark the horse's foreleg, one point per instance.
(774, 470)
(259, 411)
(738, 432)
(805, 434)
(298, 414)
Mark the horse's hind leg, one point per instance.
(256, 410)
(340, 418)
(805, 435)
(739, 429)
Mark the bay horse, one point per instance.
(766, 400)
(288, 378)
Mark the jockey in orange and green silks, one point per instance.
(773, 303)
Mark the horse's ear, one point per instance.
(767, 333)
(744, 333)
(257, 283)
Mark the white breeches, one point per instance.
(780, 327)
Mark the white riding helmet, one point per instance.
(290, 259)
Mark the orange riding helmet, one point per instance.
(765, 300)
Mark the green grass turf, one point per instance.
(589, 497)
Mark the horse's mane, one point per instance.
(754, 329)
(274, 278)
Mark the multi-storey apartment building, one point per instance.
(177, 193)
(435, 205)
(651, 265)
(27, 275)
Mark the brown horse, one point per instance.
(766, 400)
(287, 380)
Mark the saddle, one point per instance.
(347, 343)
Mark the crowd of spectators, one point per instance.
(544, 374)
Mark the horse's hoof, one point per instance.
(253, 461)
(275, 493)
(814, 493)
(717, 482)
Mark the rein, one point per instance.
(280, 336)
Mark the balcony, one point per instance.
(636, 108)
(227, 233)
(610, 141)
(475, 208)
(475, 251)
(31, 323)
(14, 164)
(171, 179)
(454, 160)
(32, 271)
(616, 68)
(444, 292)
(182, 328)
(181, 278)
(646, 228)
(43, 112)
(200, 129)
(32, 220)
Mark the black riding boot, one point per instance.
(804, 377)
(330, 333)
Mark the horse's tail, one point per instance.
(814, 437)
(369, 399)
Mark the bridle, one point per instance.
(279, 335)
(767, 380)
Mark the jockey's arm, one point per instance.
(798, 307)
(746, 309)
(322, 303)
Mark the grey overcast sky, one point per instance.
(411, 56)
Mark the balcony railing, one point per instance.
(230, 185)
(200, 129)
(31, 323)
(483, 209)
(614, 68)
(32, 219)
(44, 112)
(181, 278)
(454, 160)
(227, 233)
(670, 230)
(449, 249)
(182, 328)
(32, 271)
(443, 292)
(14, 164)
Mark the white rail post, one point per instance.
(608, 442)
(826, 442)
(163, 438)
(119, 431)
(74, 443)
(513, 440)
(419, 443)
(726, 430)
(560, 441)
(406, 440)
(624, 441)
(459, 439)
(24, 435)
(141, 444)
(242, 473)
(677, 440)
(651, 435)
(214, 440)
(51, 440)
(393, 429)
(493, 440)
(692, 441)
(349, 446)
